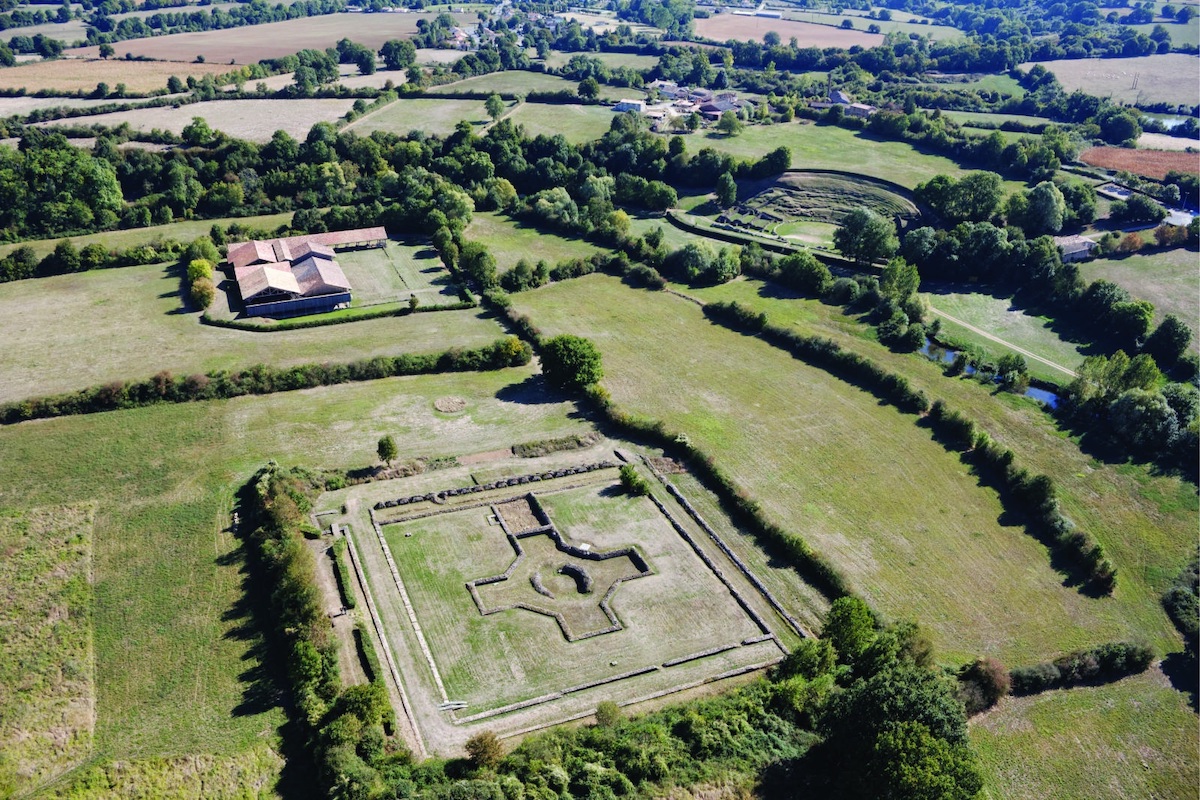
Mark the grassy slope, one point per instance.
(995, 315)
(862, 483)
(133, 317)
(830, 147)
(577, 123)
(1169, 279)
(1134, 738)
(171, 651)
(434, 116)
(1146, 523)
(510, 241)
(522, 82)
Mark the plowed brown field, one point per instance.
(1148, 163)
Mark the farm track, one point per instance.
(1009, 345)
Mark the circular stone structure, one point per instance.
(450, 405)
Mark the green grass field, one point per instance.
(1169, 279)
(1133, 738)
(841, 470)
(514, 655)
(183, 231)
(47, 666)
(134, 317)
(174, 658)
(431, 115)
(579, 124)
(997, 316)
(522, 82)
(510, 241)
(1168, 78)
(963, 117)
(558, 58)
(830, 147)
(392, 274)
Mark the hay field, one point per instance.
(513, 655)
(1133, 738)
(862, 483)
(254, 120)
(579, 124)
(723, 27)
(557, 58)
(1169, 279)
(1169, 78)
(74, 74)
(252, 43)
(509, 241)
(1162, 141)
(901, 22)
(1150, 163)
(523, 82)
(435, 117)
(177, 660)
(10, 106)
(134, 318)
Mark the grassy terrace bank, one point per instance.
(869, 489)
(162, 478)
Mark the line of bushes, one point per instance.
(261, 379)
(1034, 496)
(316, 322)
(1100, 664)
(345, 583)
(824, 353)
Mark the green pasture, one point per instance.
(1146, 522)
(170, 620)
(510, 241)
(557, 59)
(1167, 278)
(1133, 738)
(515, 654)
(1002, 84)
(1001, 319)
(55, 327)
(522, 82)
(830, 147)
(860, 482)
(393, 273)
(578, 123)
(985, 118)
(183, 231)
(434, 116)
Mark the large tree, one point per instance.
(571, 362)
(865, 237)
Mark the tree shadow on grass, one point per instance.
(532, 391)
(1183, 671)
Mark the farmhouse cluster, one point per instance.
(680, 101)
(297, 274)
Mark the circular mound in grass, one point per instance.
(450, 405)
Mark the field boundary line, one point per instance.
(369, 114)
(408, 607)
(360, 575)
(1009, 345)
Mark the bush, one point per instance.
(632, 482)
(199, 268)
(203, 292)
(1100, 664)
(982, 684)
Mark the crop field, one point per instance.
(523, 82)
(999, 317)
(134, 317)
(74, 74)
(830, 147)
(1162, 141)
(1168, 78)
(252, 43)
(1133, 738)
(184, 231)
(162, 481)
(1145, 521)
(255, 120)
(47, 669)
(723, 27)
(435, 117)
(579, 124)
(1150, 163)
(10, 106)
(778, 427)
(603, 22)
(1169, 279)
(70, 32)
(510, 241)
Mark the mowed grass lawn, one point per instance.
(579, 124)
(176, 656)
(1170, 279)
(72, 331)
(509, 241)
(393, 273)
(1146, 522)
(830, 147)
(523, 82)
(997, 316)
(863, 484)
(1133, 738)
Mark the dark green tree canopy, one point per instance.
(571, 362)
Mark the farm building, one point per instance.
(630, 105)
(1074, 248)
(298, 274)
